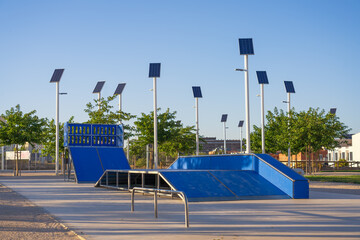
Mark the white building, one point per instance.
(349, 150)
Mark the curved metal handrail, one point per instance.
(156, 191)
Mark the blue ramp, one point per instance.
(91, 162)
(87, 164)
(222, 185)
(248, 175)
(95, 148)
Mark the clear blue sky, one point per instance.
(315, 44)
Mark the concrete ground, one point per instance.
(96, 213)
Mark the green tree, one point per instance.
(306, 131)
(277, 132)
(106, 114)
(316, 129)
(173, 137)
(49, 140)
(19, 128)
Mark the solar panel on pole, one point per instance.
(57, 75)
(246, 46)
(224, 117)
(197, 92)
(154, 70)
(262, 77)
(197, 95)
(56, 79)
(289, 86)
(240, 125)
(99, 86)
(333, 110)
(119, 89)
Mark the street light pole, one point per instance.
(154, 72)
(224, 137)
(247, 105)
(262, 119)
(197, 125)
(289, 86)
(57, 130)
(56, 79)
(289, 149)
(155, 126)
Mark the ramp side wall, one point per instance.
(221, 162)
(283, 177)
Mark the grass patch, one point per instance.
(343, 179)
(340, 171)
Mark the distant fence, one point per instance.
(317, 165)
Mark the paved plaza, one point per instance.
(96, 213)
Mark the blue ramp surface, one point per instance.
(91, 162)
(244, 175)
(222, 185)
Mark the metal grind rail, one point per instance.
(156, 191)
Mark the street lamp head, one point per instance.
(241, 70)
(63, 93)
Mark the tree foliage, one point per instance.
(305, 131)
(49, 140)
(106, 114)
(173, 137)
(19, 128)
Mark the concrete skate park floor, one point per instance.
(96, 213)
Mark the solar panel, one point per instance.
(197, 92)
(246, 46)
(289, 86)
(241, 123)
(224, 118)
(154, 70)
(120, 88)
(333, 110)
(99, 86)
(262, 77)
(57, 75)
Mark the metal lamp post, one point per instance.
(289, 87)
(262, 79)
(240, 125)
(223, 120)
(246, 48)
(56, 79)
(197, 95)
(97, 90)
(154, 72)
(118, 91)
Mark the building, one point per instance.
(349, 149)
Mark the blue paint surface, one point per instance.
(87, 164)
(260, 175)
(197, 184)
(236, 162)
(91, 162)
(247, 183)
